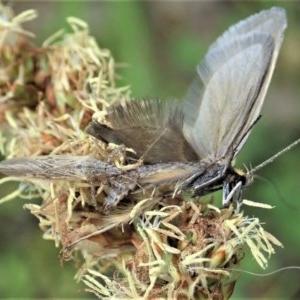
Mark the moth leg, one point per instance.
(117, 155)
(119, 188)
(229, 193)
(96, 189)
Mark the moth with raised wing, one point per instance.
(190, 143)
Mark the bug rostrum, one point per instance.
(190, 143)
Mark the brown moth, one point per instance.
(190, 143)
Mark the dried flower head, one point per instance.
(187, 251)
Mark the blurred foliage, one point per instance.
(158, 45)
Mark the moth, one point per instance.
(190, 143)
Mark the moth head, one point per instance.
(245, 177)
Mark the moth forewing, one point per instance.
(274, 23)
(224, 101)
(57, 167)
(225, 107)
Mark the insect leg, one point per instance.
(120, 186)
(229, 193)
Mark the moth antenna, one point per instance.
(248, 169)
(266, 274)
(271, 159)
(278, 192)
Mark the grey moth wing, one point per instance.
(152, 128)
(225, 100)
(59, 167)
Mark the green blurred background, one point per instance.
(162, 42)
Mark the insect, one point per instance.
(191, 143)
